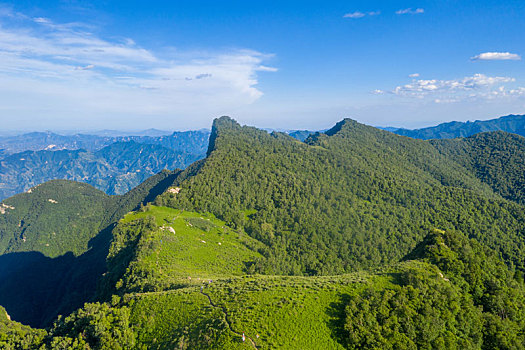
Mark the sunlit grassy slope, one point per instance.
(273, 312)
(180, 248)
(199, 296)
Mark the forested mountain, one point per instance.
(115, 169)
(376, 189)
(356, 238)
(54, 241)
(496, 158)
(511, 123)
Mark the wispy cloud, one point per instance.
(478, 86)
(68, 64)
(497, 56)
(359, 14)
(410, 11)
(89, 66)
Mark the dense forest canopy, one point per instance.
(350, 198)
(496, 158)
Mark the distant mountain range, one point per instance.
(116, 133)
(115, 169)
(514, 124)
(188, 141)
(511, 123)
(112, 164)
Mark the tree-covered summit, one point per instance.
(352, 197)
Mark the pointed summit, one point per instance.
(225, 122)
(220, 125)
(346, 123)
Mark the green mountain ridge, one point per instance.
(356, 238)
(376, 189)
(409, 305)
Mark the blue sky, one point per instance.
(76, 64)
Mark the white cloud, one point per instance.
(355, 14)
(478, 86)
(414, 75)
(41, 20)
(410, 11)
(89, 66)
(359, 14)
(489, 56)
(53, 65)
(262, 68)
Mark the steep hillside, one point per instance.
(511, 123)
(351, 198)
(53, 218)
(161, 248)
(115, 169)
(54, 242)
(496, 158)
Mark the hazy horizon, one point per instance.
(140, 132)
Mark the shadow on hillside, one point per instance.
(35, 289)
(336, 312)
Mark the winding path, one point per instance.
(226, 316)
(223, 309)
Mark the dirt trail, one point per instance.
(223, 309)
(227, 319)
